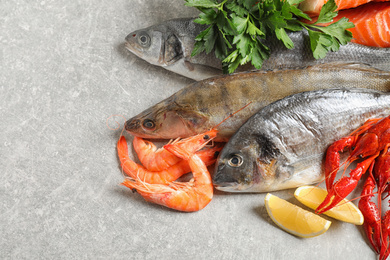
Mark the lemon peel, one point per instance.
(294, 219)
(312, 196)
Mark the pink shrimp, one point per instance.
(152, 158)
(183, 196)
(155, 159)
(134, 170)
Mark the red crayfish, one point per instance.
(371, 143)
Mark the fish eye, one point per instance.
(236, 160)
(148, 124)
(144, 39)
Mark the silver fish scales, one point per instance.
(170, 44)
(282, 146)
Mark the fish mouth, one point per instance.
(128, 46)
(132, 125)
(132, 48)
(232, 187)
(225, 186)
(224, 183)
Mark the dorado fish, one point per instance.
(170, 44)
(204, 104)
(283, 145)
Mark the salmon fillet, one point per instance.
(372, 22)
(313, 7)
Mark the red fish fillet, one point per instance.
(313, 7)
(372, 24)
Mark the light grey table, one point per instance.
(64, 71)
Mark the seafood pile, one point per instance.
(283, 144)
(278, 123)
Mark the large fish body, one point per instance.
(283, 145)
(170, 44)
(204, 104)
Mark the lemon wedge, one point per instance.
(294, 219)
(312, 196)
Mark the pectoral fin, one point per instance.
(194, 120)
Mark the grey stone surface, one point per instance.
(64, 73)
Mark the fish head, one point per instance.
(146, 44)
(166, 122)
(157, 45)
(251, 163)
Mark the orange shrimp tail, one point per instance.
(150, 192)
(188, 196)
(175, 195)
(123, 149)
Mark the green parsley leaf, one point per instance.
(282, 35)
(201, 3)
(339, 30)
(294, 2)
(248, 4)
(209, 39)
(207, 17)
(327, 12)
(320, 44)
(239, 23)
(236, 8)
(238, 29)
(298, 12)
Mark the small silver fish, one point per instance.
(204, 104)
(282, 146)
(170, 44)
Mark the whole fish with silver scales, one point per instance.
(170, 44)
(282, 146)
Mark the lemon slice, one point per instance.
(294, 219)
(312, 196)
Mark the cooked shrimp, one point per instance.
(152, 158)
(184, 196)
(155, 159)
(134, 170)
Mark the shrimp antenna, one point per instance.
(116, 122)
(232, 114)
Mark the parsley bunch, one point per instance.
(237, 29)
